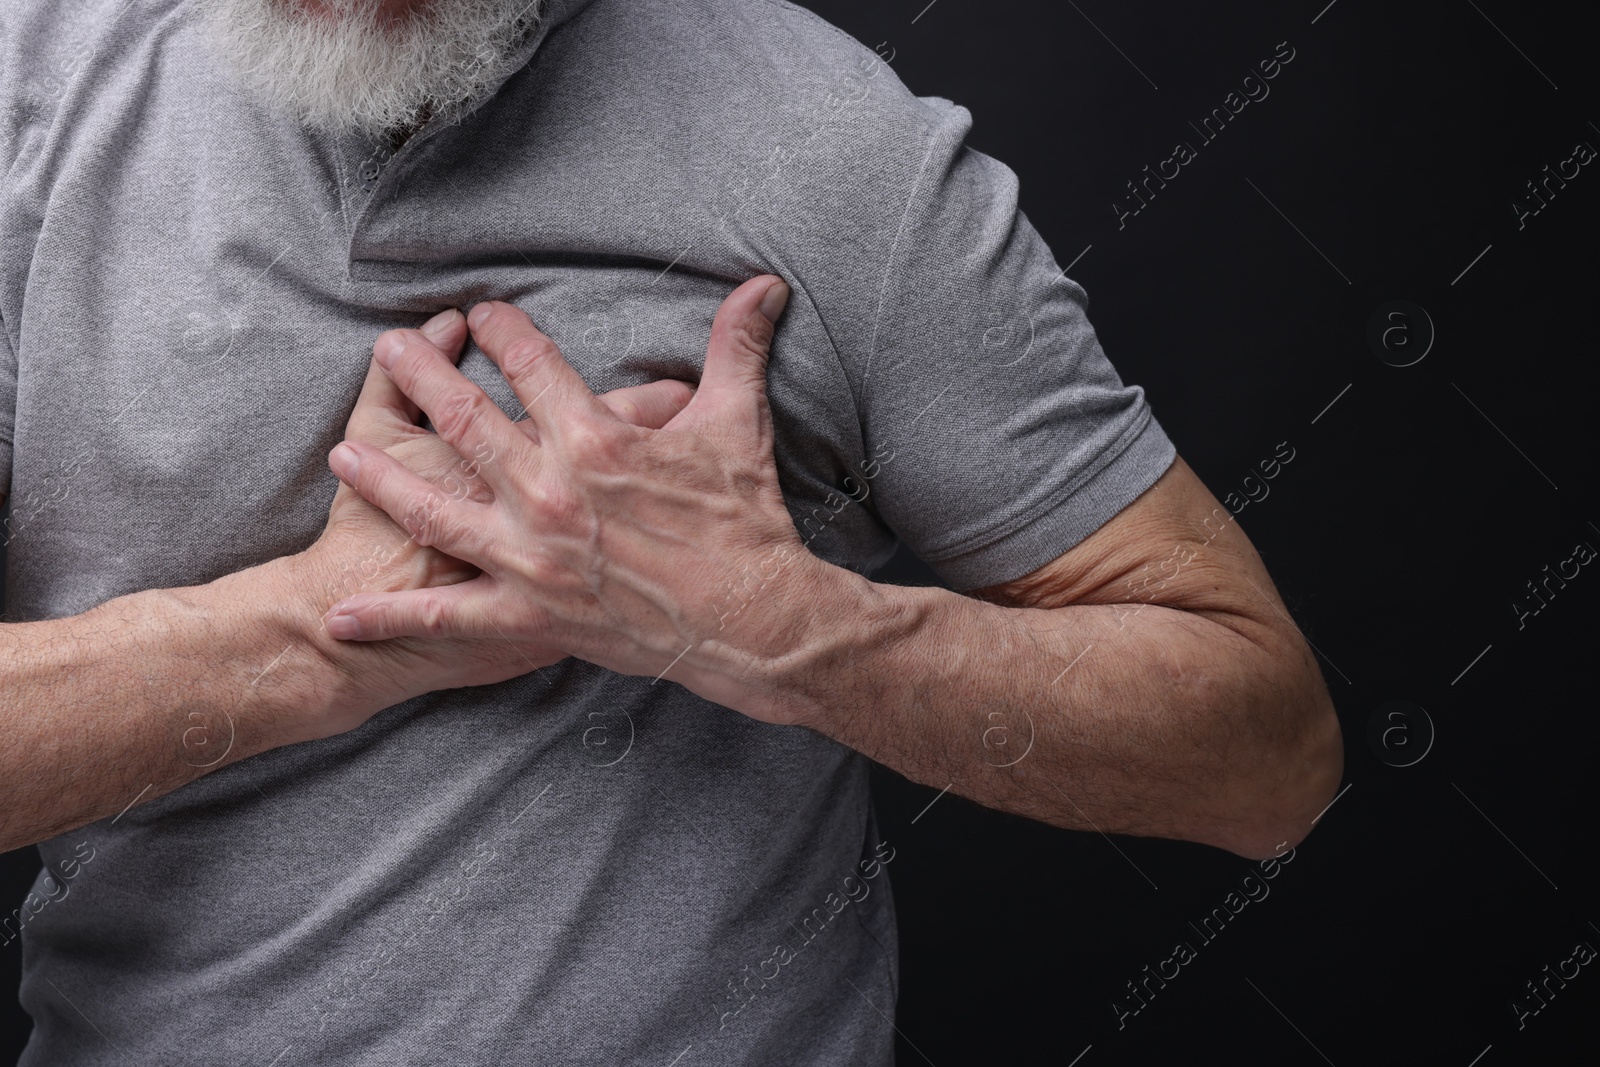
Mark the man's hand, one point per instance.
(1205, 720)
(361, 550)
(609, 541)
(149, 691)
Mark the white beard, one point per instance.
(347, 71)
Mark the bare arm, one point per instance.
(144, 693)
(147, 692)
(1163, 687)
(1149, 681)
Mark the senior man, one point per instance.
(564, 758)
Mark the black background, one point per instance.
(1417, 507)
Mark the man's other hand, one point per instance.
(613, 542)
(362, 551)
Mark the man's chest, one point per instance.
(187, 359)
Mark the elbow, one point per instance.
(1296, 799)
(1290, 776)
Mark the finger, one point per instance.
(461, 413)
(441, 611)
(649, 406)
(433, 519)
(539, 374)
(383, 414)
(741, 339)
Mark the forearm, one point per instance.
(1128, 718)
(149, 691)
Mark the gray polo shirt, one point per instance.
(573, 866)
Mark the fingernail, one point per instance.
(437, 327)
(476, 316)
(387, 349)
(773, 302)
(342, 627)
(344, 461)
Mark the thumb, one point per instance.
(383, 414)
(741, 339)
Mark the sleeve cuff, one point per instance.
(1041, 538)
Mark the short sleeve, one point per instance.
(999, 433)
(8, 408)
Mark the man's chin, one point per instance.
(345, 67)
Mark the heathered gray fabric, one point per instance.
(572, 867)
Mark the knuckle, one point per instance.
(459, 415)
(423, 518)
(589, 442)
(431, 616)
(553, 504)
(542, 572)
(558, 509)
(752, 334)
(526, 354)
